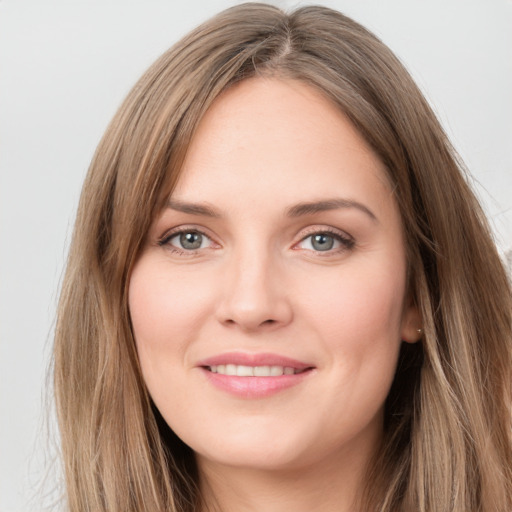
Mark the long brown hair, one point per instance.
(447, 443)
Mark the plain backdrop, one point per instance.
(65, 66)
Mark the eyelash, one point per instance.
(346, 241)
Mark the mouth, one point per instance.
(252, 376)
(254, 371)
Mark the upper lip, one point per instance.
(263, 359)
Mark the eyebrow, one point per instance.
(298, 210)
(330, 204)
(193, 208)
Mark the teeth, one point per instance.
(276, 371)
(245, 371)
(253, 371)
(262, 371)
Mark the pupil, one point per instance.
(191, 240)
(322, 242)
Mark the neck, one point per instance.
(329, 486)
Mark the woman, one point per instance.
(281, 293)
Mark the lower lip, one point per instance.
(254, 387)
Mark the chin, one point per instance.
(259, 447)
(255, 457)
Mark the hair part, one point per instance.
(447, 443)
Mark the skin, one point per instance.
(258, 284)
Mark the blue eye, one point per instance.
(189, 240)
(325, 241)
(322, 242)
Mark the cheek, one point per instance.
(358, 319)
(360, 325)
(163, 307)
(361, 303)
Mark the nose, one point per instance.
(254, 296)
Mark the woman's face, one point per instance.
(269, 302)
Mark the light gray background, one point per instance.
(65, 66)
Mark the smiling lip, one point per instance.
(254, 386)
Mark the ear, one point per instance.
(411, 327)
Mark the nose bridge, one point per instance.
(253, 294)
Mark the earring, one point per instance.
(419, 331)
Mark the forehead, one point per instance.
(265, 135)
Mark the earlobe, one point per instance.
(412, 330)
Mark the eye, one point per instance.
(186, 240)
(190, 241)
(325, 241)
